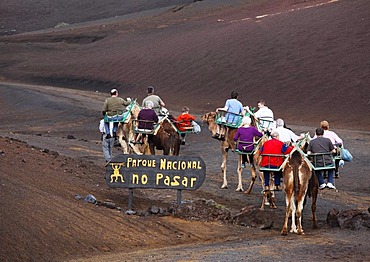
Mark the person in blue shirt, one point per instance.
(234, 109)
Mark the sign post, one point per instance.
(157, 172)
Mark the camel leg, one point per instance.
(293, 210)
(240, 171)
(313, 199)
(299, 217)
(224, 168)
(284, 231)
(253, 180)
(272, 199)
(266, 198)
(123, 144)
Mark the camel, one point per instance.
(297, 173)
(313, 185)
(229, 143)
(166, 138)
(125, 129)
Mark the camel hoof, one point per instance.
(224, 187)
(239, 190)
(247, 191)
(284, 232)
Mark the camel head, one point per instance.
(209, 119)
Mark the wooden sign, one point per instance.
(159, 172)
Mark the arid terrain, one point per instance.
(308, 59)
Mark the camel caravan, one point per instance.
(259, 141)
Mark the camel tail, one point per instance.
(296, 161)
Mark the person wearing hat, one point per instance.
(246, 134)
(157, 101)
(113, 106)
(286, 135)
(273, 147)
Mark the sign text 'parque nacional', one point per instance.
(160, 172)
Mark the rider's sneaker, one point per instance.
(322, 186)
(331, 186)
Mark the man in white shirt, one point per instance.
(107, 142)
(286, 135)
(265, 116)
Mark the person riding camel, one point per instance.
(184, 121)
(113, 107)
(146, 119)
(158, 103)
(234, 109)
(265, 116)
(273, 147)
(246, 134)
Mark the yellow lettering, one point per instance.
(199, 165)
(183, 165)
(175, 181)
(158, 178)
(169, 165)
(163, 164)
(144, 179)
(129, 160)
(185, 182)
(167, 181)
(193, 180)
(135, 179)
(174, 165)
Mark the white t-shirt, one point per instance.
(101, 126)
(266, 117)
(286, 135)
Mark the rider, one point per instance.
(322, 144)
(183, 121)
(335, 139)
(147, 117)
(286, 135)
(245, 134)
(273, 146)
(158, 103)
(233, 108)
(264, 115)
(113, 106)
